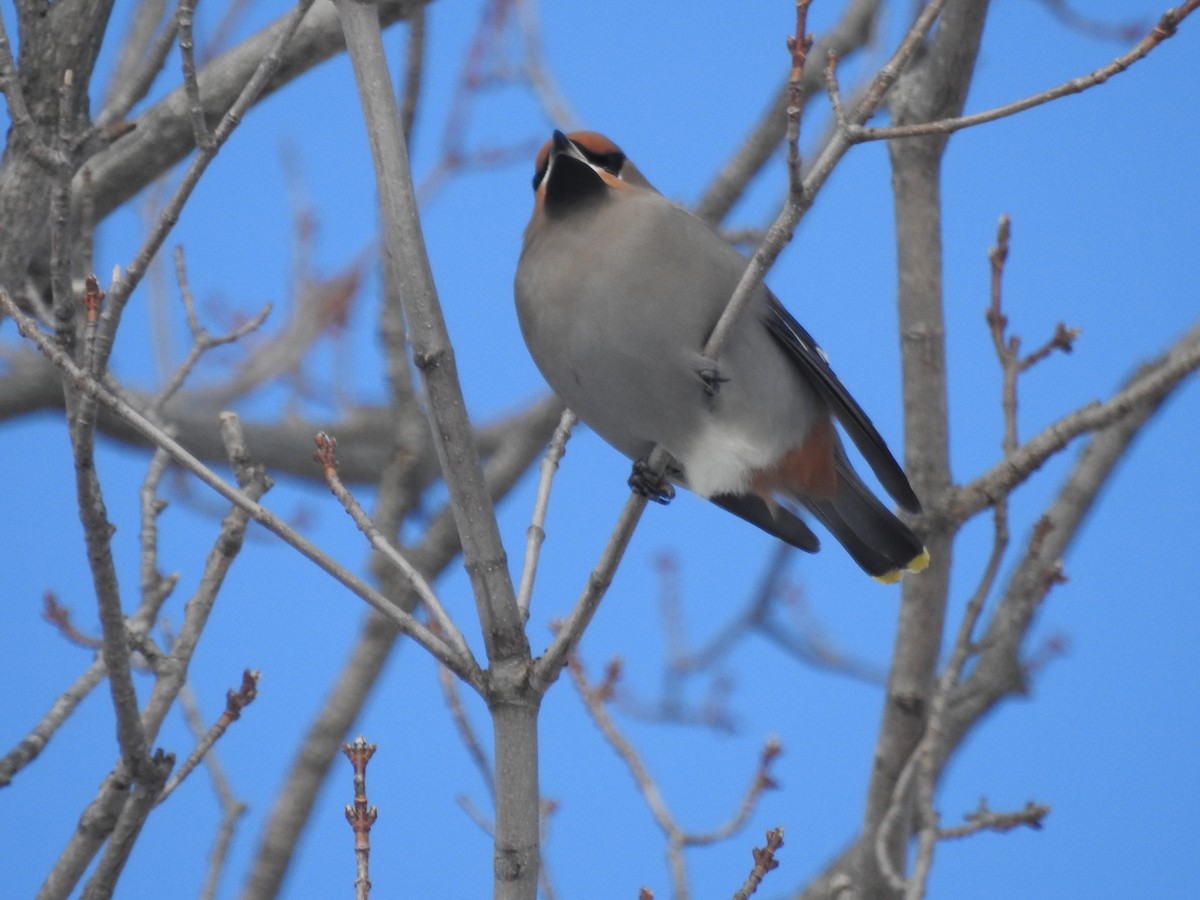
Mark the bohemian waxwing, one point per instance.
(617, 291)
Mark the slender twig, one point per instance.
(259, 513)
(984, 819)
(97, 530)
(39, 736)
(327, 457)
(536, 534)
(232, 809)
(1152, 384)
(1102, 29)
(1165, 28)
(549, 94)
(414, 66)
(202, 341)
(764, 862)
(361, 815)
(854, 29)
(780, 232)
(466, 733)
(1008, 349)
(60, 617)
(926, 753)
(235, 702)
(1006, 352)
(139, 60)
(121, 290)
(678, 838)
(191, 86)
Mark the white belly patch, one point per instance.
(722, 460)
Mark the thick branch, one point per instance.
(935, 86)
(483, 553)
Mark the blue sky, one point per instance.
(1104, 193)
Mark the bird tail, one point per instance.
(883, 546)
(773, 519)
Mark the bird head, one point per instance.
(573, 171)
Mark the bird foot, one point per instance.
(646, 484)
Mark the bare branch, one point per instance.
(259, 513)
(852, 32)
(37, 739)
(414, 63)
(483, 551)
(232, 809)
(121, 290)
(164, 136)
(1164, 29)
(1152, 384)
(440, 544)
(128, 826)
(984, 819)
(139, 61)
(764, 862)
(202, 341)
(235, 702)
(361, 815)
(326, 456)
(191, 87)
(678, 838)
(536, 533)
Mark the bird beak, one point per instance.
(561, 145)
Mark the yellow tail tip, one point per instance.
(917, 564)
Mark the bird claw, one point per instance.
(646, 484)
(712, 379)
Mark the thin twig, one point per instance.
(191, 86)
(60, 617)
(361, 815)
(121, 290)
(414, 66)
(256, 511)
(678, 838)
(764, 862)
(235, 702)
(984, 819)
(466, 733)
(1151, 384)
(327, 457)
(139, 59)
(549, 94)
(202, 341)
(232, 809)
(536, 532)
(39, 736)
(1165, 28)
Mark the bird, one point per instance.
(617, 290)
